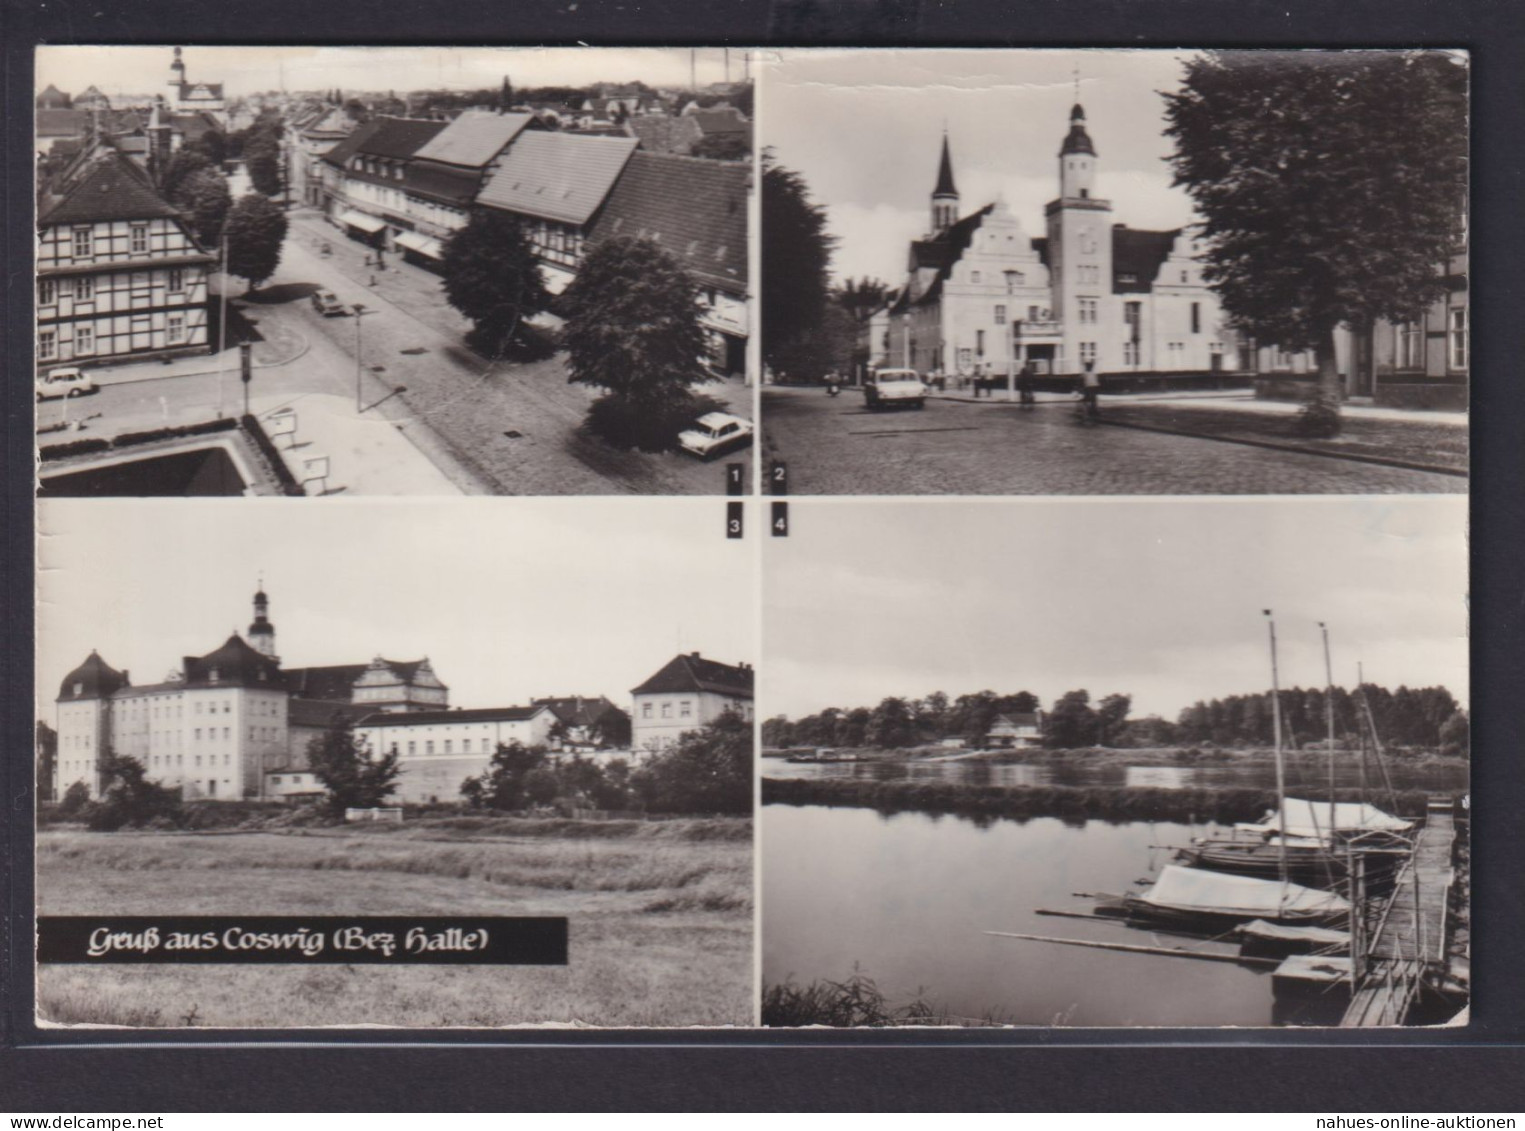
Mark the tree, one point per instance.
(47, 759)
(502, 785)
(1072, 722)
(264, 167)
(205, 199)
(255, 229)
(129, 798)
(1456, 735)
(890, 724)
(1331, 185)
(178, 169)
(354, 777)
(632, 328)
(796, 258)
(862, 297)
(541, 786)
(708, 771)
(506, 96)
(1112, 719)
(493, 278)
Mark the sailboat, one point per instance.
(1307, 840)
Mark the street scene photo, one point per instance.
(1116, 763)
(464, 708)
(1115, 272)
(392, 271)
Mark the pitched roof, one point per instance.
(1139, 253)
(340, 154)
(474, 138)
(578, 711)
(52, 96)
(664, 133)
(111, 189)
(62, 122)
(943, 250)
(449, 184)
(722, 121)
(398, 138)
(693, 208)
(692, 672)
(557, 176)
(431, 718)
(234, 664)
(1016, 719)
(316, 713)
(337, 681)
(95, 679)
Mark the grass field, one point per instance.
(660, 922)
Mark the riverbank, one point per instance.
(1096, 756)
(1069, 803)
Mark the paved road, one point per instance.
(836, 446)
(515, 426)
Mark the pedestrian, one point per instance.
(1025, 385)
(1091, 390)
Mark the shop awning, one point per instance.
(424, 245)
(361, 220)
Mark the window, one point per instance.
(974, 276)
(276, 780)
(225, 733)
(1032, 314)
(46, 292)
(667, 710)
(47, 344)
(1088, 310)
(139, 239)
(645, 710)
(1456, 336)
(412, 748)
(447, 746)
(429, 747)
(1000, 316)
(1185, 276)
(1087, 352)
(979, 343)
(1130, 353)
(176, 280)
(1410, 345)
(685, 709)
(465, 746)
(175, 332)
(1196, 318)
(1088, 274)
(82, 243)
(84, 340)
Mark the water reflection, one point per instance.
(908, 898)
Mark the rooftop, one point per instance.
(557, 176)
(692, 672)
(474, 138)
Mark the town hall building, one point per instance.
(983, 296)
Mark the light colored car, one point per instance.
(894, 388)
(63, 383)
(715, 432)
(326, 303)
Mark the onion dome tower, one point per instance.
(261, 631)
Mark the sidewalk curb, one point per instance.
(301, 353)
(1299, 449)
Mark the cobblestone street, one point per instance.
(836, 446)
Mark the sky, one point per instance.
(248, 70)
(1161, 600)
(509, 599)
(864, 128)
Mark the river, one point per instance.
(907, 898)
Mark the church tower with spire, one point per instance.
(1080, 252)
(945, 194)
(262, 632)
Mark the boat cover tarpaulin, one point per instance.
(1221, 893)
(1311, 818)
(1277, 932)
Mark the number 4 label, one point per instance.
(780, 523)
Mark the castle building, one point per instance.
(983, 297)
(230, 724)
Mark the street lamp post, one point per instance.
(359, 315)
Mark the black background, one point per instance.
(1478, 1069)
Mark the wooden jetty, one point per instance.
(1409, 938)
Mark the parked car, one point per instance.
(715, 432)
(326, 303)
(63, 383)
(890, 388)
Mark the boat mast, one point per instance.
(1281, 780)
(1329, 715)
(1360, 729)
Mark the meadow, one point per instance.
(660, 921)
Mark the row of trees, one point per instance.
(631, 328)
(1427, 718)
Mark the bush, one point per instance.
(128, 439)
(625, 423)
(74, 448)
(132, 801)
(75, 798)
